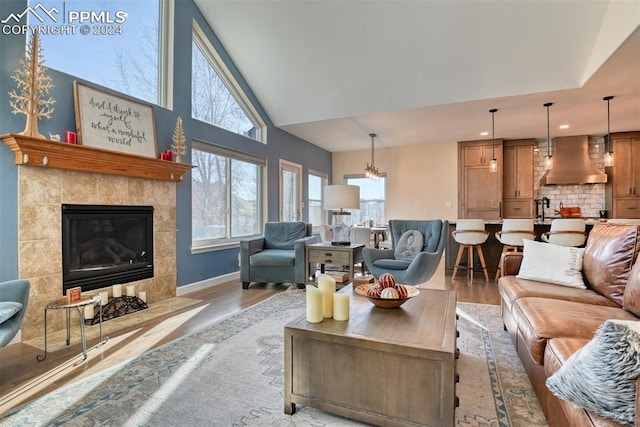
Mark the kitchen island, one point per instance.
(492, 248)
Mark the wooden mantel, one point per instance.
(32, 151)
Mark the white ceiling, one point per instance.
(428, 71)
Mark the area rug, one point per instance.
(231, 374)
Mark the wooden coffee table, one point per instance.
(388, 367)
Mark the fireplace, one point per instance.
(104, 245)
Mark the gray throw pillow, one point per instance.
(409, 245)
(600, 377)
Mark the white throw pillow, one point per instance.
(546, 262)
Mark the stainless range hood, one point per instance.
(572, 164)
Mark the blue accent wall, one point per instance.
(191, 267)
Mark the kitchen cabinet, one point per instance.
(518, 178)
(479, 191)
(622, 191)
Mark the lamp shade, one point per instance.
(341, 197)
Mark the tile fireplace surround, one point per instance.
(42, 191)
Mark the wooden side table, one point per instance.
(326, 253)
(62, 304)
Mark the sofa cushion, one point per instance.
(8, 309)
(540, 319)
(281, 235)
(409, 245)
(558, 350)
(546, 262)
(511, 288)
(601, 376)
(631, 296)
(273, 258)
(610, 253)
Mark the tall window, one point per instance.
(226, 195)
(120, 45)
(317, 181)
(215, 96)
(372, 199)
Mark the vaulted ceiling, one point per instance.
(428, 71)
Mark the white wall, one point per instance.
(420, 179)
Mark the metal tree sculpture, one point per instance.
(178, 146)
(33, 84)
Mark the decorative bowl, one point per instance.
(386, 302)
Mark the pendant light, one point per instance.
(608, 155)
(548, 160)
(493, 163)
(371, 171)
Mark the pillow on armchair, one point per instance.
(409, 245)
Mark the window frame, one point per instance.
(362, 176)
(209, 52)
(164, 72)
(213, 244)
(324, 180)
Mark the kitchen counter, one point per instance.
(492, 248)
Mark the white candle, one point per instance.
(104, 297)
(314, 304)
(88, 311)
(142, 295)
(117, 291)
(131, 291)
(341, 306)
(327, 285)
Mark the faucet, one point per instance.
(540, 204)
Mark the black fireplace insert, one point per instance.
(104, 245)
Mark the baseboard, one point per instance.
(204, 284)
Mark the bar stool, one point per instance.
(470, 234)
(513, 232)
(566, 232)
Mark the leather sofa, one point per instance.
(548, 323)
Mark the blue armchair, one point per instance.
(278, 256)
(417, 268)
(14, 297)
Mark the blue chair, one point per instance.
(14, 297)
(278, 256)
(418, 267)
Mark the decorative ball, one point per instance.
(403, 292)
(386, 280)
(389, 293)
(374, 291)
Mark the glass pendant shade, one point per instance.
(608, 158)
(548, 159)
(493, 165)
(608, 155)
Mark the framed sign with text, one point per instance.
(114, 122)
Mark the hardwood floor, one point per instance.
(23, 378)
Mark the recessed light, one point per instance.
(484, 133)
(564, 126)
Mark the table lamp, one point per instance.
(339, 199)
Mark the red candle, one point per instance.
(70, 137)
